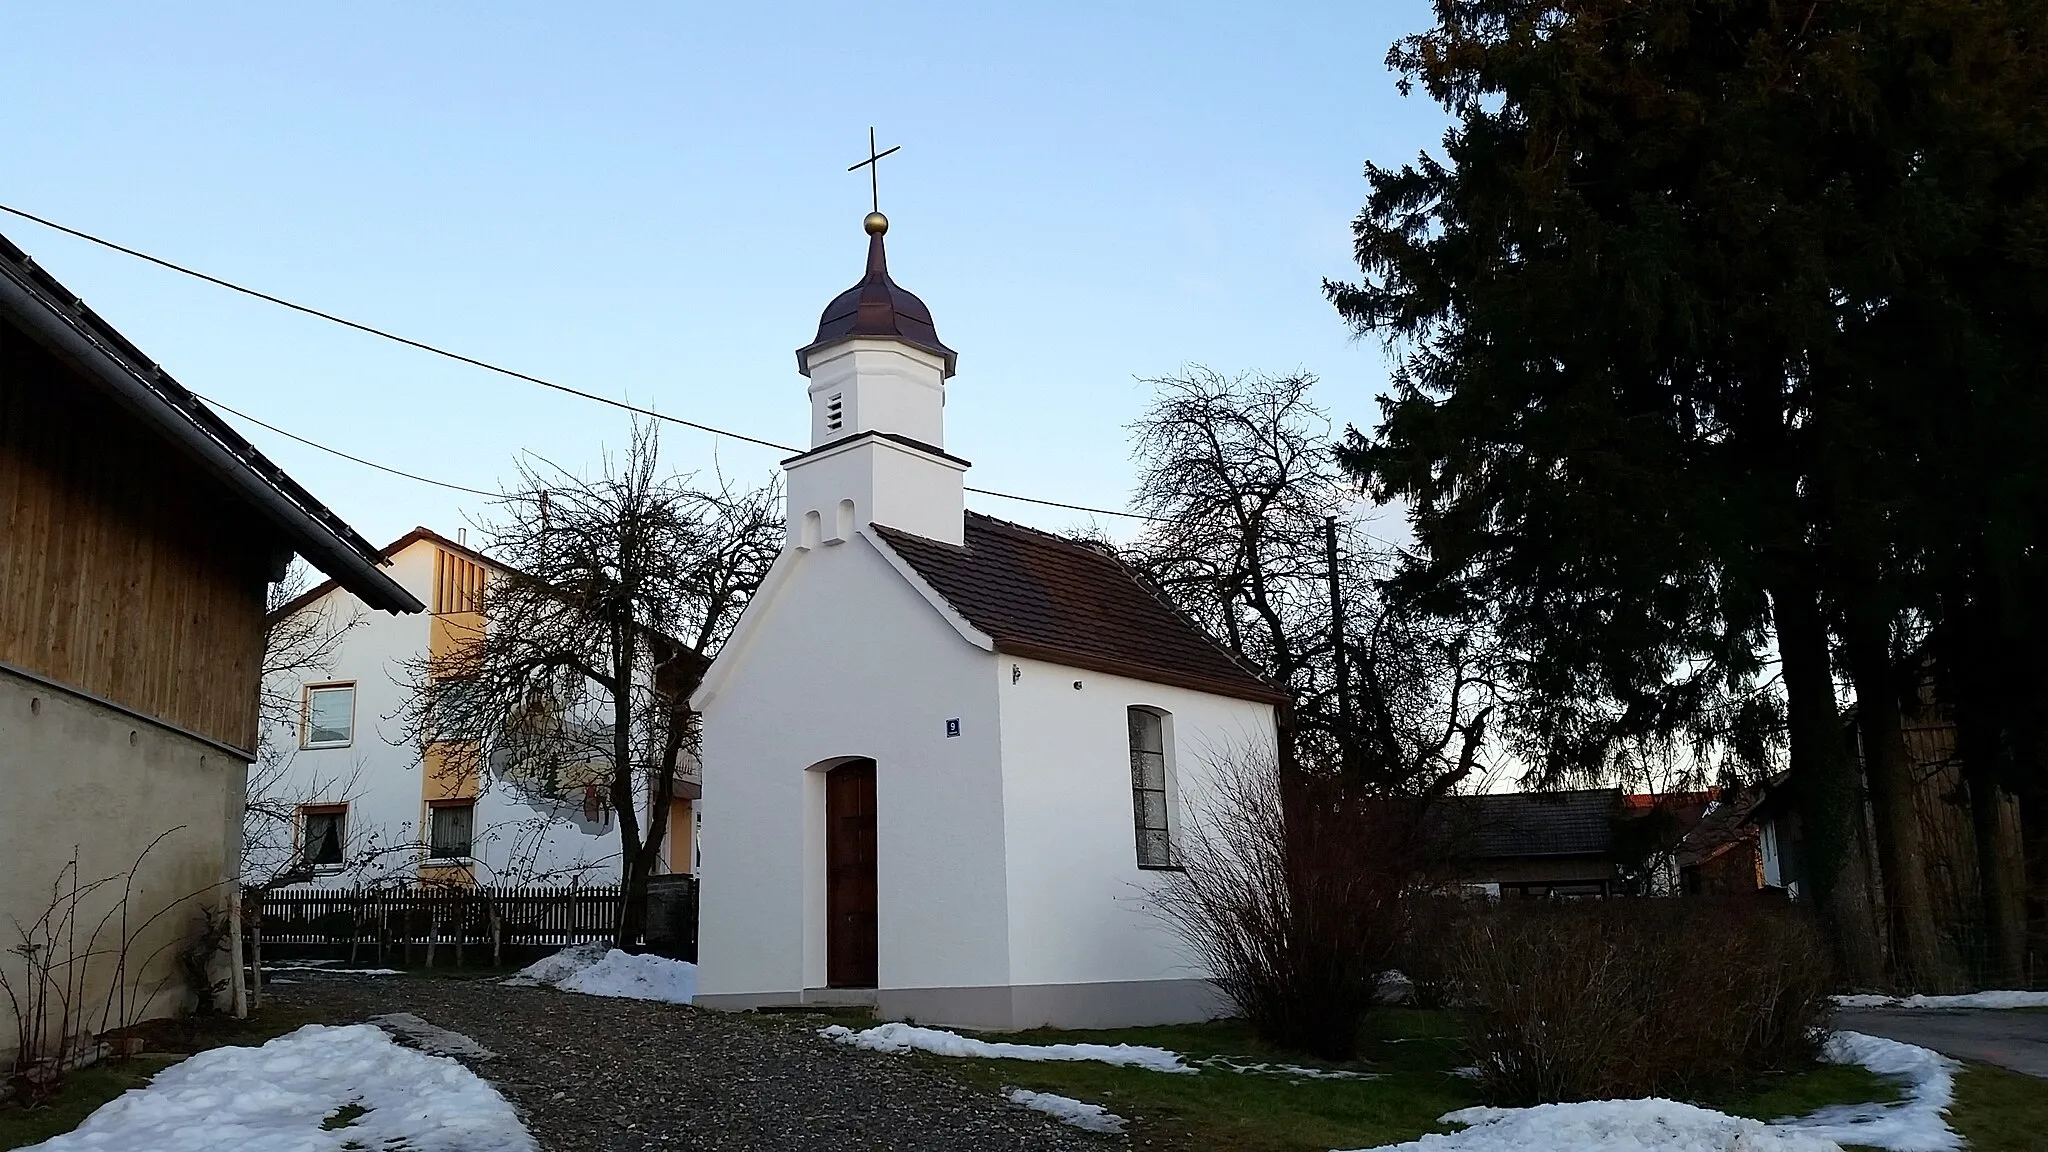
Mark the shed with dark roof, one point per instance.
(1537, 843)
(138, 531)
(138, 537)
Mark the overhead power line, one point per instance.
(345, 455)
(475, 363)
(392, 336)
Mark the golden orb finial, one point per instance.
(876, 224)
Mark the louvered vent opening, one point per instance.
(835, 413)
(458, 584)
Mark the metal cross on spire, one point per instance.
(874, 167)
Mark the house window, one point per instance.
(1148, 787)
(323, 834)
(330, 720)
(449, 829)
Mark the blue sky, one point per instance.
(651, 202)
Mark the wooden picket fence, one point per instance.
(462, 925)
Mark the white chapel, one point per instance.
(948, 758)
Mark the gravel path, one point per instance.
(591, 1074)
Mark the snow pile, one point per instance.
(276, 1096)
(1611, 1126)
(644, 977)
(595, 970)
(907, 1037)
(1914, 1124)
(2005, 999)
(551, 970)
(1067, 1110)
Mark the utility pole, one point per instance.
(1343, 679)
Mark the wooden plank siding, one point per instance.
(125, 571)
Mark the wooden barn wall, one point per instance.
(125, 571)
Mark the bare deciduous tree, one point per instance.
(617, 590)
(1239, 473)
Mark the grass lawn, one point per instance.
(166, 1041)
(83, 1092)
(2000, 1111)
(1411, 1052)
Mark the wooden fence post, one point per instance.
(255, 954)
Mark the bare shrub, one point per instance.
(78, 970)
(1289, 891)
(1431, 925)
(1631, 998)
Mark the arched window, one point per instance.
(1149, 804)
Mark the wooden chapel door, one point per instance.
(850, 941)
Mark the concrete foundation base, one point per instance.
(1005, 1008)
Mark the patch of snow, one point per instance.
(275, 1097)
(311, 967)
(2000, 999)
(1067, 1110)
(1469, 1072)
(267, 981)
(596, 970)
(1914, 1124)
(432, 1039)
(906, 1037)
(1611, 1126)
(1229, 1064)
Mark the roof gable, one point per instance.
(1050, 598)
(386, 555)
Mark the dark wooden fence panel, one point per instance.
(465, 925)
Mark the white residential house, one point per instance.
(370, 810)
(949, 757)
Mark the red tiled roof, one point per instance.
(1050, 598)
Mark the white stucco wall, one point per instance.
(883, 482)
(846, 659)
(1079, 904)
(379, 774)
(882, 385)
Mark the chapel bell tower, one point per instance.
(878, 395)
